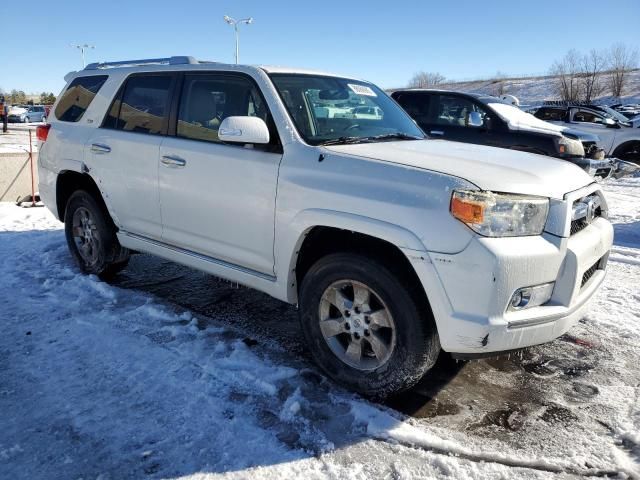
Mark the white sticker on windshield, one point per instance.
(362, 90)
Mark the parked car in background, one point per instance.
(488, 120)
(394, 246)
(629, 110)
(27, 114)
(619, 136)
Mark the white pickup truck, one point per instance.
(394, 246)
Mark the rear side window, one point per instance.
(551, 114)
(142, 105)
(78, 96)
(416, 104)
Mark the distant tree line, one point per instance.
(18, 97)
(585, 77)
(579, 77)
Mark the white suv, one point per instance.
(395, 247)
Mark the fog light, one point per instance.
(530, 297)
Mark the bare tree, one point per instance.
(567, 71)
(426, 79)
(498, 84)
(591, 84)
(622, 59)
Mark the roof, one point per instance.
(300, 71)
(185, 61)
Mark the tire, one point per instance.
(411, 345)
(629, 152)
(26, 119)
(91, 237)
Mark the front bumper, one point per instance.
(469, 291)
(602, 168)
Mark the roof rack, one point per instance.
(178, 60)
(568, 103)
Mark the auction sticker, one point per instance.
(361, 90)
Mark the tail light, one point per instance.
(42, 131)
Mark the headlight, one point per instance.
(500, 214)
(570, 147)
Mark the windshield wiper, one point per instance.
(370, 139)
(394, 136)
(343, 141)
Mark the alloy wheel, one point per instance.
(357, 325)
(86, 236)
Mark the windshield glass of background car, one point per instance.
(329, 108)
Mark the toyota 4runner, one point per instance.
(394, 246)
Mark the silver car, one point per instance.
(34, 113)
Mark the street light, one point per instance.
(235, 24)
(82, 49)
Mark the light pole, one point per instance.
(82, 49)
(235, 24)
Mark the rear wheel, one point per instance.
(26, 120)
(91, 237)
(366, 326)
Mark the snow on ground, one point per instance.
(101, 381)
(16, 140)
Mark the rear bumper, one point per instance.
(470, 291)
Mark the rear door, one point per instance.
(219, 199)
(124, 151)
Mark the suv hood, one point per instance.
(488, 168)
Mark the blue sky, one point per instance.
(385, 42)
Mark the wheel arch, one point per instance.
(70, 181)
(621, 147)
(322, 232)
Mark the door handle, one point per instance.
(436, 132)
(100, 148)
(173, 161)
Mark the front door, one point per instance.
(593, 122)
(218, 199)
(450, 121)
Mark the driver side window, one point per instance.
(454, 111)
(587, 117)
(208, 99)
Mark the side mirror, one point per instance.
(243, 130)
(610, 123)
(474, 119)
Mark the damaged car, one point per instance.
(488, 120)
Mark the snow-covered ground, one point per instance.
(16, 139)
(137, 379)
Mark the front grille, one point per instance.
(589, 148)
(580, 217)
(590, 271)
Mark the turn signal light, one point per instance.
(42, 132)
(467, 211)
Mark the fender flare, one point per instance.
(306, 220)
(78, 166)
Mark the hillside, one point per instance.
(534, 90)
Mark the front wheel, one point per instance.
(91, 237)
(26, 119)
(629, 152)
(366, 326)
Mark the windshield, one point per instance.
(614, 114)
(331, 110)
